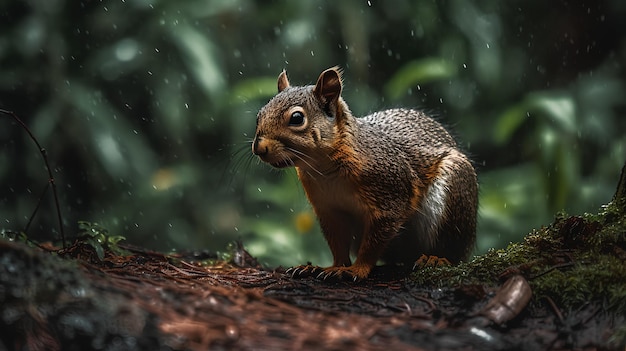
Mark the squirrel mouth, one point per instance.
(282, 164)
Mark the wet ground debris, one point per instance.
(137, 299)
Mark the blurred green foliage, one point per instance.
(147, 108)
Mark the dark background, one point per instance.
(147, 109)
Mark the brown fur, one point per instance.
(392, 184)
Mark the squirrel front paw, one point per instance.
(353, 272)
(304, 271)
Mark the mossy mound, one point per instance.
(574, 262)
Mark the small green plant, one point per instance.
(11, 235)
(99, 238)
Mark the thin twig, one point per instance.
(556, 310)
(45, 160)
(32, 216)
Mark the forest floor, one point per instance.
(86, 297)
(562, 288)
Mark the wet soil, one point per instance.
(71, 299)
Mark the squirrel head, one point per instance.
(299, 125)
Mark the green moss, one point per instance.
(600, 279)
(488, 268)
(574, 261)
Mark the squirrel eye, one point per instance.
(296, 119)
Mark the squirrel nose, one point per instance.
(258, 147)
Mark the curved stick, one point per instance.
(50, 177)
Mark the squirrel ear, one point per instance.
(283, 82)
(328, 86)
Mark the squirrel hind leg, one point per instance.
(444, 224)
(457, 231)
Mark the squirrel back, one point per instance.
(393, 184)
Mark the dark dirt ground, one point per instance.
(72, 300)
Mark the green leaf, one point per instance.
(254, 88)
(200, 55)
(509, 122)
(559, 107)
(114, 239)
(418, 72)
(96, 245)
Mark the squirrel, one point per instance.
(392, 185)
